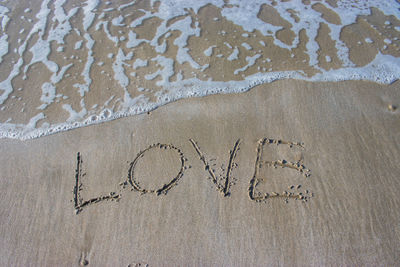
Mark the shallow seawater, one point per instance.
(67, 63)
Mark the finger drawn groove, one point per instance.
(223, 188)
(166, 187)
(298, 166)
(79, 204)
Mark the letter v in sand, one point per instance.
(223, 183)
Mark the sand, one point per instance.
(289, 173)
(265, 141)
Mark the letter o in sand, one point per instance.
(133, 170)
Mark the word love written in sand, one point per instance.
(222, 182)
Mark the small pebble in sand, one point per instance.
(392, 107)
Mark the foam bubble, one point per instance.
(234, 55)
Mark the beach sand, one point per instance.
(344, 134)
(289, 173)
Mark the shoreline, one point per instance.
(76, 63)
(350, 144)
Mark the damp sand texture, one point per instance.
(69, 64)
(200, 133)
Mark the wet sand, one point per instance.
(290, 173)
(312, 169)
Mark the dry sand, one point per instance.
(348, 214)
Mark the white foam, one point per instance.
(4, 18)
(118, 21)
(234, 55)
(34, 120)
(118, 67)
(133, 41)
(48, 95)
(328, 59)
(83, 88)
(112, 38)
(383, 69)
(63, 27)
(166, 72)
(88, 13)
(182, 54)
(75, 115)
(57, 77)
(3, 46)
(126, 5)
(4, 37)
(140, 63)
(250, 62)
(78, 45)
(228, 45)
(368, 40)
(387, 41)
(40, 52)
(247, 46)
(161, 48)
(209, 51)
